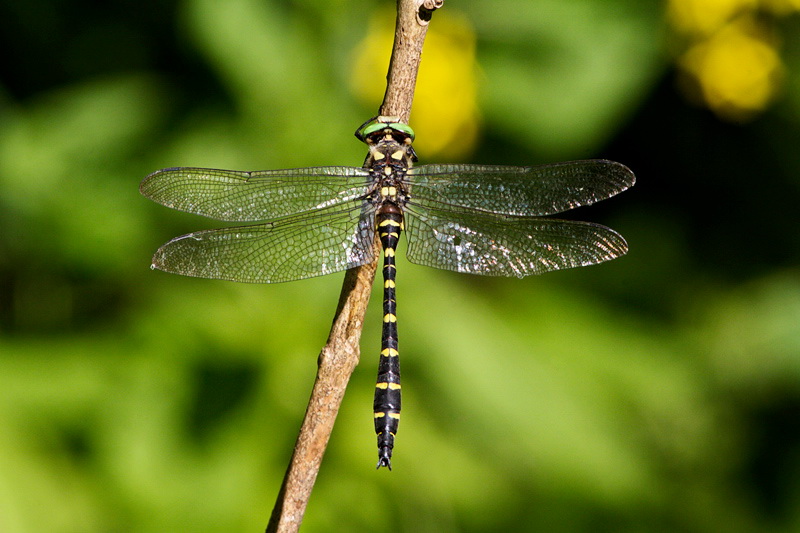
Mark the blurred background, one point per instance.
(657, 392)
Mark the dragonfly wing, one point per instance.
(519, 191)
(288, 249)
(236, 196)
(491, 245)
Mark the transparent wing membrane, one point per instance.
(520, 191)
(287, 249)
(491, 245)
(235, 196)
(480, 219)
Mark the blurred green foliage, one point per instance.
(659, 392)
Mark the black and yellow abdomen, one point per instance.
(387, 389)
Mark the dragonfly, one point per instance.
(489, 220)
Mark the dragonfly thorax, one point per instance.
(388, 162)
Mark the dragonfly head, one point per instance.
(385, 128)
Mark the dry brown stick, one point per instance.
(340, 355)
(409, 34)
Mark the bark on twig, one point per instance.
(409, 34)
(340, 355)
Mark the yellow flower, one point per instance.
(706, 16)
(737, 69)
(445, 111)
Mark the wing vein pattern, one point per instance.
(518, 191)
(235, 196)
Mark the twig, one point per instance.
(340, 355)
(409, 34)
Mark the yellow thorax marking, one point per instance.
(398, 155)
(378, 155)
(388, 191)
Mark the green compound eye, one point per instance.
(369, 129)
(381, 123)
(404, 128)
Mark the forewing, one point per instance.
(236, 196)
(519, 191)
(491, 245)
(288, 249)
